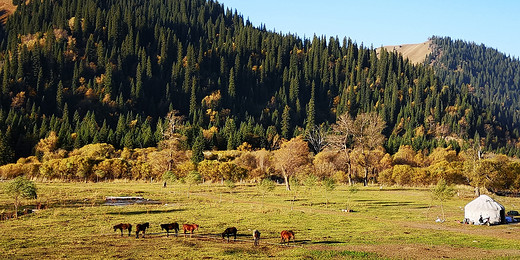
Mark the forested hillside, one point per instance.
(109, 71)
(491, 77)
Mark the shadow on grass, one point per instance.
(295, 200)
(301, 241)
(156, 211)
(399, 189)
(327, 242)
(376, 203)
(391, 203)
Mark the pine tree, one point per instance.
(197, 149)
(311, 110)
(231, 86)
(59, 95)
(286, 122)
(6, 151)
(193, 98)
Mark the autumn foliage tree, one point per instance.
(291, 155)
(171, 140)
(367, 136)
(48, 147)
(340, 139)
(363, 134)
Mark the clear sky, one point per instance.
(496, 24)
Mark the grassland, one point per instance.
(386, 223)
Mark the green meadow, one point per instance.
(385, 222)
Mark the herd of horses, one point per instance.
(286, 235)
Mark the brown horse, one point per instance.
(232, 231)
(256, 236)
(190, 228)
(141, 228)
(286, 236)
(122, 226)
(172, 226)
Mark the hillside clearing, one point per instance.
(6, 8)
(416, 53)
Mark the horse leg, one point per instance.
(137, 234)
(121, 232)
(167, 232)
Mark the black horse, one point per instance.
(232, 231)
(141, 228)
(172, 226)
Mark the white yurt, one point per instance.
(484, 210)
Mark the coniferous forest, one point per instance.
(492, 78)
(109, 71)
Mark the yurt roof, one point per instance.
(484, 202)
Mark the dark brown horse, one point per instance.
(141, 228)
(286, 236)
(232, 231)
(256, 236)
(190, 228)
(122, 226)
(172, 226)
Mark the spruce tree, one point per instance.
(286, 122)
(197, 149)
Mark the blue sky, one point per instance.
(378, 22)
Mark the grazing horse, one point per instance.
(172, 226)
(256, 237)
(190, 228)
(122, 226)
(286, 236)
(141, 228)
(232, 231)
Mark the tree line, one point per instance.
(346, 158)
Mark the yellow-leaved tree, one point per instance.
(291, 155)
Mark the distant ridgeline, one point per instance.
(109, 71)
(492, 78)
